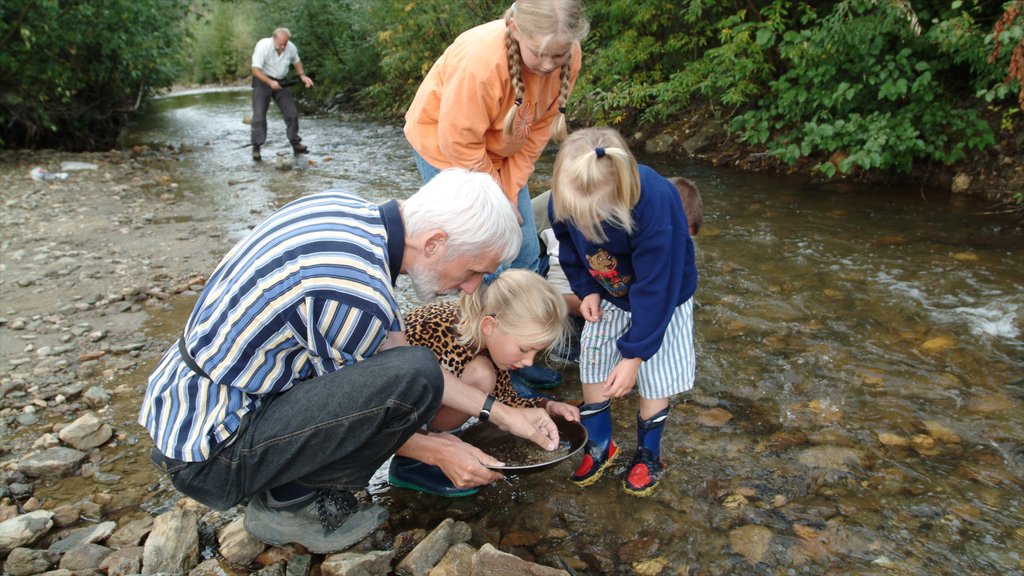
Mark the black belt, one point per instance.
(187, 359)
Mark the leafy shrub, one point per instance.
(863, 84)
(74, 70)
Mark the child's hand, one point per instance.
(566, 411)
(623, 378)
(590, 308)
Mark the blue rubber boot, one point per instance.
(600, 451)
(537, 376)
(412, 474)
(646, 470)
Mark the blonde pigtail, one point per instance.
(559, 130)
(514, 65)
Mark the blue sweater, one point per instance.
(648, 273)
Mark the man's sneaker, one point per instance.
(644, 474)
(323, 522)
(256, 152)
(595, 462)
(537, 376)
(412, 474)
(299, 149)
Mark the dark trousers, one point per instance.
(261, 95)
(333, 431)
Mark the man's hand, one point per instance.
(274, 84)
(306, 80)
(465, 464)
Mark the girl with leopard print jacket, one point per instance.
(500, 327)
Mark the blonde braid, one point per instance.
(514, 63)
(559, 131)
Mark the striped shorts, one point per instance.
(669, 372)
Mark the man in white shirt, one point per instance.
(270, 62)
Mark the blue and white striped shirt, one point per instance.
(308, 291)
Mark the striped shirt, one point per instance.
(308, 291)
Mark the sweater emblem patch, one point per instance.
(525, 117)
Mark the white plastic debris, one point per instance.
(38, 173)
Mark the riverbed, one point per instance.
(859, 403)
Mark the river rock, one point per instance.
(830, 457)
(357, 563)
(26, 562)
(893, 440)
(652, 567)
(941, 432)
(751, 542)
(86, 535)
(84, 557)
(123, 562)
(490, 560)
(276, 570)
(96, 397)
(131, 534)
(457, 561)
(173, 545)
(51, 463)
(714, 418)
(86, 433)
(236, 544)
(298, 565)
(961, 183)
(427, 553)
(24, 529)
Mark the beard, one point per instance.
(426, 283)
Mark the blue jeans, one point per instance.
(529, 251)
(333, 431)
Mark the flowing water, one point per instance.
(859, 403)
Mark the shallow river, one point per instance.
(859, 405)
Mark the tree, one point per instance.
(74, 70)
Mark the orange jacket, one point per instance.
(457, 116)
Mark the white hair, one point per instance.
(470, 208)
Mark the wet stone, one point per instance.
(86, 535)
(123, 562)
(84, 557)
(27, 562)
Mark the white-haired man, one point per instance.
(292, 382)
(270, 61)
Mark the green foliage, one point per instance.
(335, 39)
(648, 60)
(410, 35)
(224, 36)
(73, 71)
(862, 84)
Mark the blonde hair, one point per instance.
(558, 20)
(595, 180)
(692, 203)
(525, 305)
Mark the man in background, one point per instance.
(270, 62)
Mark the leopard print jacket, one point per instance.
(434, 326)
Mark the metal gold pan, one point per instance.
(488, 437)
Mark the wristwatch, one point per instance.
(485, 412)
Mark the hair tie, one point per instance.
(561, 109)
(519, 101)
(599, 151)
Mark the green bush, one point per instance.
(75, 70)
(862, 83)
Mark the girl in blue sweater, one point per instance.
(625, 246)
